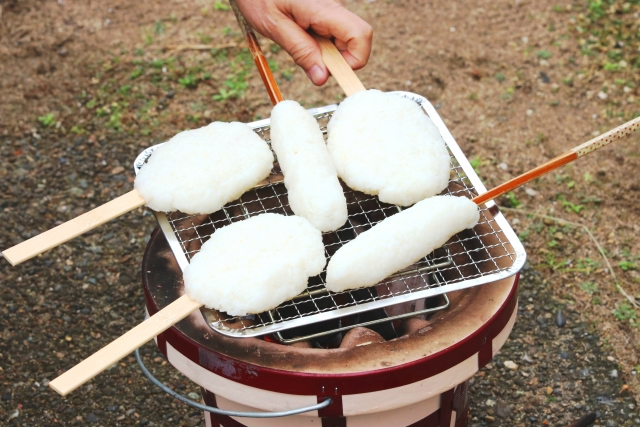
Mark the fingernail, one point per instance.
(316, 74)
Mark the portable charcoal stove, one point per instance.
(489, 252)
(417, 372)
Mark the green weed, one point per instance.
(627, 265)
(47, 120)
(589, 287)
(543, 54)
(158, 27)
(234, 87)
(513, 200)
(625, 312)
(287, 74)
(220, 6)
(136, 73)
(524, 235)
(189, 81)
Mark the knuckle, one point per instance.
(302, 53)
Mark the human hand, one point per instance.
(286, 22)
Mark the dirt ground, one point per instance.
(87, 85)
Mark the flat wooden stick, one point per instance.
(88, 221)
(73, 228)
(127, 343)
(338, 66)
(577, 152)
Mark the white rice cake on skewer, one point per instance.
(309, 174)
(199, 171)
(399, 241)
(384, 144)
(255, 265)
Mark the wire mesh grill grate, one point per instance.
(486, 253)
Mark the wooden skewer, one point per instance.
(258, 57)
(88, 221)
(577, 152)
(127, 343)
(338, 66)
(73, 228)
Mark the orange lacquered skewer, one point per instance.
(258, 57)
(577, 152)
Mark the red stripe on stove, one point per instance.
(333, 410)
(302, 383)
(486, 353)
(334, 422)
(446, 399)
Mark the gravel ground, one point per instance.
(61, 306)
(553, 370)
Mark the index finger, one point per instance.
(353, 35)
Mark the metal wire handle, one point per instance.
(219, 411)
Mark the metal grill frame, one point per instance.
(462, 175)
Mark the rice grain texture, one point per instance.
(384, 144)
(199, 171)
(399, 241)
(255, 265)
(309, 174)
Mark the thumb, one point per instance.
(303, 49)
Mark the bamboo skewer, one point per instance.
(338, 66)
(571, 155)
(258, 57)
(124, 345)
(88, 221)
(73, 228)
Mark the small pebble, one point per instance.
(614, 373)
(561, 319)
(510, 365)
(92, 418)
(503, 411)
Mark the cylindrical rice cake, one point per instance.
(384, 144)
(309, 174)
(399, 241)
(254, 265)
(199, 171)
